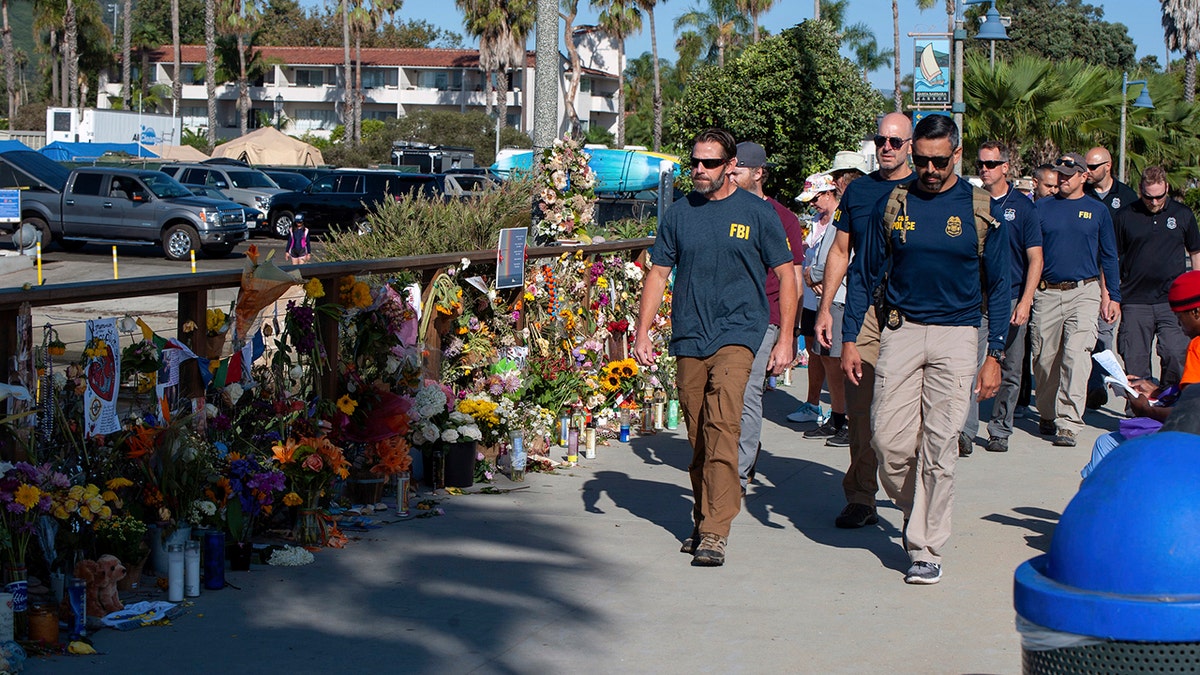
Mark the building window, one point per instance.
(306, 77)
(381, 115)
(379, 77)
(314, 119)
(585, 84)
(441, 80)
(195, 116)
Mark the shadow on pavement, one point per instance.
(667, 505)
(1039, 522)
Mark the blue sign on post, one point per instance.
(931, 72)
(10, 206)
(510, 258)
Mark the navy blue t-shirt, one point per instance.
(1078, 241)
(935, 275)
(721, 251)
(853, 216)
(1016, 214)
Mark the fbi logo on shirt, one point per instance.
(954, 226)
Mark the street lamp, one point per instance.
(993, 30)
(1142, 101)
(278, 110)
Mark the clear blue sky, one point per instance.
(1142, 17)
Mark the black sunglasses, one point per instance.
(1067, 162)
(1093, 167)
(989, 163)
(896, 143)
(938, 162)
(708, 162)
(1153, 198)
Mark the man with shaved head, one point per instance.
(1103, 185)
(892, 145)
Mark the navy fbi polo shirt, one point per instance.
(1078, 241)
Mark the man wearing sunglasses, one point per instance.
(933, 300)
(1019, 219)
(721, 241)
(1078, 245)
(851, 219)
(1155, 237)
(1103, 185)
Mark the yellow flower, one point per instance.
(292, 499)
(347, 404)
(601, 282)
(313, 289)
(27, 495)
(105, 512)
(71, 504)
(189, 326)
(118, 483)
(528, 296)
(91, 491)
(75, 493)
(215, 319)
(109, 496)
(95, 504)
(85, 513)
(60, 513)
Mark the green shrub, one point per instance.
(419, 225)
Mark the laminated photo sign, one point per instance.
(103, 355)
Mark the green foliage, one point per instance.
(1059, 30)
(419, 225)
(474, 130)
(1192, 199)
(629, 228)
(759, 97)
(30, 117)
(601, 136)
(156, 14)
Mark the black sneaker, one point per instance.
(1065, 439)
(996, 444)
(965, 445)
(855, 516)
(1096, 398)
(826, 430)
(711, 551)
(923, 572)
(841, 439)
(1046, 427)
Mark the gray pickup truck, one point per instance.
(116, 206)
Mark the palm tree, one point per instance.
(210, 69)
(48, 17)
(921, 5)
(618, 19)
(1181, 26)
(834, 11)
(241, 20)
(365, 19)
(176, 82)
(348, 91)
(502, 27)
(71, 55)
(126, 54)
(869, 58)
(722, 26)
(10, 60)
(568, 9)
(648, 7)
(145, 39)
(755, 8)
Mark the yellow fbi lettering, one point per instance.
(739, 231)
(1086, 215)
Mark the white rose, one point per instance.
(450, 436)
(429, 432)
(471, 432)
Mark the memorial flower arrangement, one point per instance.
(566, 192)
(252, 488)
(434, 419)
(123, 536)
(27, 492)
(310, 465)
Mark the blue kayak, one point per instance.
(616, 170)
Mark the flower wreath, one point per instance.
(567, 197)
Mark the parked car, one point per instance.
(119, 206)
(288, 180)
(342, 197)
(253, 215)
(243, 184)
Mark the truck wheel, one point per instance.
(282, 224)
(179, 241)
(218, 250)
(29, 233)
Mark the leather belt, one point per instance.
(1065, 285)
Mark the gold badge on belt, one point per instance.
(894, 319)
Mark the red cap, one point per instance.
(1185, 292)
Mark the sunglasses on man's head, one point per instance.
(925, 160)
(893, 141)
(989, 163)
(708, 162)
(1093, 167)
(1067, 162)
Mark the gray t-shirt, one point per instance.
(721, 251)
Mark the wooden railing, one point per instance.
(192, 291)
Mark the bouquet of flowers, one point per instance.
(122, 536)
(252, 490)
(435, 420)
(486, 414)
(310, 465)
(567, 195)
(619, 378)
(26, 493)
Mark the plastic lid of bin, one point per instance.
(1124, 563)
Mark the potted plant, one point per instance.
(125, 537)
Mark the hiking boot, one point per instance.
(923, 572)
(689, 544)
(1065, 439)
(1096, 398)
(826, 430)
(1046, 427)
(855, 516)
(711, 551)
(996, 444)
(841, 439)
(965, 445)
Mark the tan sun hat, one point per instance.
(848, 160)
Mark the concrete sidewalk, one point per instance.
(580, 571)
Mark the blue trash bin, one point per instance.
(1123, 567)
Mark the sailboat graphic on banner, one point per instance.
(931, 72)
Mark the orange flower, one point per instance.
(393, 456)
(285, 452)
(141, 442)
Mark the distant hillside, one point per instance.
(20, 18)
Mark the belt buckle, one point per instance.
(1070, 285)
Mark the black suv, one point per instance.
(341, 198)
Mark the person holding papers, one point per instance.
(1152, 405)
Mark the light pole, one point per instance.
(1143, 101)
(112, 6)
(990, 31)
(278, 111)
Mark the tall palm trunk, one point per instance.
(1189, 77)
(72, 59)
(347, 81)
(897, 97)
(358, 90)
(243, 84)
(658, 117)
(10, 61)
(488, 76)
(621, 93)
(176, 83)
(55, 75)
(502, 95)
(210, 68)
(571, 91)
(126, 55)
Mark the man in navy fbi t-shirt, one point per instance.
(932, 310)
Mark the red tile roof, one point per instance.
(333, 56)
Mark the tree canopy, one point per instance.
(793, 93)
(1059, 30)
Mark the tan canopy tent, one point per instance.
(177, 153)
(270, 146)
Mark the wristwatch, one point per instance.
(997, 354)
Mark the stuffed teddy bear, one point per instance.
(101, 576)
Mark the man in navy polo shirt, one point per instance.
(1155, 237)
(933, 300)
(1017, 217)
(721, 241)
(1076, 233)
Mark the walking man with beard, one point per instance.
(721, 241)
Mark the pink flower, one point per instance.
(313, 463)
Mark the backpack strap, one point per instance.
(895, 207)
(981, 204)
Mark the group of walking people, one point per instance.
(923, 292)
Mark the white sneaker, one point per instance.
(807, 412)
